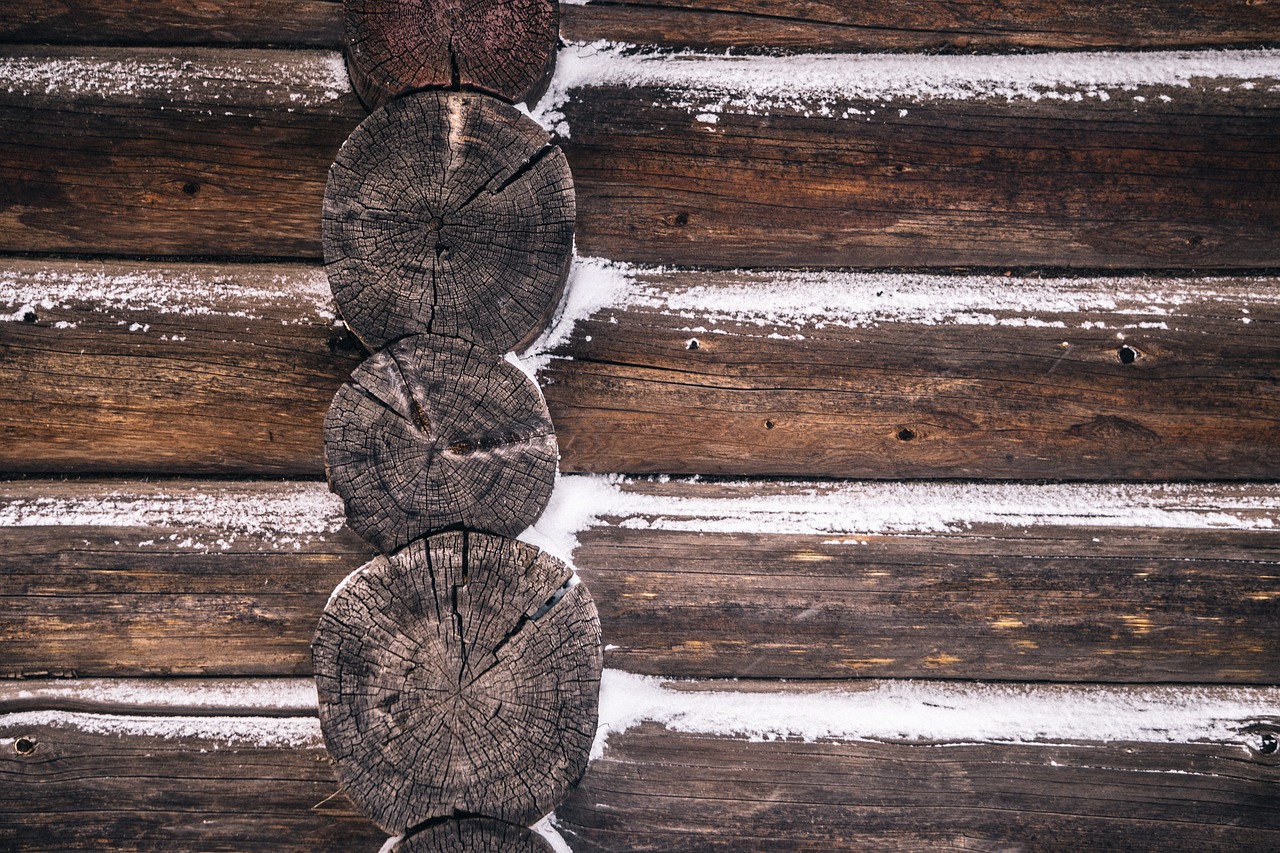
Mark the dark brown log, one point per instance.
(663, 790)
(932, 25)
(459, 675)
(710, 25)
(126, 578)
(506, 47)
(448, 213)
(432, 433)
(102, 781)
(200, 369)
(473, 836)
(737, 179)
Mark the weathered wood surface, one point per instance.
(1137, 583)
(133, 368)
(434, 433)
(459, 676)
(983, 178)
(506, 47)
(713, 24)
(657, 789)
(473, 836)
(79, 781)
(450, 213)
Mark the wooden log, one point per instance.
(498, 46)
(1004, 168)
(85, 781)
(926, 161)
(449, 213)
(460, 675)
(433, 433)
(699, 786)
(705, 25)
(198, 369)
(473, 836)
(820, 580)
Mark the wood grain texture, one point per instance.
(506, 47)
(906, 377)
(1142, 584)
(96, 781)
(934, 25)
(473, 836)
(459, 676)
(705, 24)
(662, 790)
(448, 213)
(162, 152)
(434, 433)
(1113, 183)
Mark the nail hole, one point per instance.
(191, 188)
(1128, 355)
(769, 424)
(24, 746)
(28, 316)
(905, 434)
(1269, 743)
(682, 219)
(1196, 240)
(899, 168)
(692, 343)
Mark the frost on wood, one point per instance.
(461, 674)
(449, 213)
(432, 433)
(502, 46)
(473, 836)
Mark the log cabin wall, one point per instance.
(917, 404)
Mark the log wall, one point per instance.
(999, 467)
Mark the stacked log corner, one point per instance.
(458, 673)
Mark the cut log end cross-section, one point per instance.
(433, 433)
(448, 213)
(459, 676)
(506, 47)
(473, 835)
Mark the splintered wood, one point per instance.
(502, 46)
(449, 213)
(433, 433)
(461, 674)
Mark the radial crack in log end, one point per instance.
(449, 213)
(433, 433)
(506, 47)
(472, 835)
(439, 695)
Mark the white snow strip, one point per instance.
(390, 843)
(265, 732)
(290, 694)
(548, 830)
(190, 291)
(819, 82)
(301, 78)
(936, 711)
(594, 284)
(579, 502)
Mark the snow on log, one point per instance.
(459, 675)
(432, 433)
(506, 47)
(449, 213)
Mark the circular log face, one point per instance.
(473, 836)
(502, 46)
(449, 213)
(432, 433)
(461, 674)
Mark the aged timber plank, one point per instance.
(711, 24)
(739, 579)
(1086, 160)
(914, 766)
(162, 152)
(1083, 160)
(122, 367)
(85, 781)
